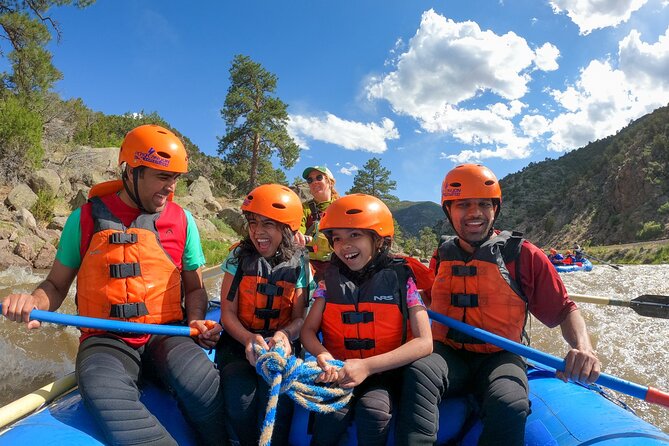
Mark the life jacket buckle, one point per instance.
(126, 311)
(123, 270)
(359, 344)
(269, 289)
(465, 300)
(357, 317)
(122, 238)
(267, 313)
(463, 270)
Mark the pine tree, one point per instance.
(255, 123)
(374, 179)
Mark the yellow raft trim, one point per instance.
(34, 400)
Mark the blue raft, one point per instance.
(563, 414)
(585, 265)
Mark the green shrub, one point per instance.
(182, 189)
(224, 228)
(664, 209)
(651, 230)
(20, 139)
(42, 210)
(215, 251)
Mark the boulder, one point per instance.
(26, 219)
(46, 180)
(45, 257)
(24, 250)
(57, 223)
(21, 197)
(8, 259)
(80, 197)
(234, 218)
(200, 189)
(205, 226)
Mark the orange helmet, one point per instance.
(276, 202)
(359, 211)
(155, 147)
(470, 181)
(553, 251)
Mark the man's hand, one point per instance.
(210, 332)
(580, 366)
(17, 307)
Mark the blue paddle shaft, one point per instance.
(612, 382)
(108, 324)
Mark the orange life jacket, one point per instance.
(266, 294)
(359, 322)
(125, 273)
(480, 292)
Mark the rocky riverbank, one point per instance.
(63, 185)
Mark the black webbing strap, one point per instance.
(359, 344)
(234, 286)
(125, 311)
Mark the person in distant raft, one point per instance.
(263, 302)
(322, 188)
(371, 316)
(491, 280)
(137, 257)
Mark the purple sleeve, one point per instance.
(413, 296)
(320, 291)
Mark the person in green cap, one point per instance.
(322, 187)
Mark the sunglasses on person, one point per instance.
(318, 177)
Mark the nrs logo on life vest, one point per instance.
(383, 297)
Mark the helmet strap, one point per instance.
(135, 181)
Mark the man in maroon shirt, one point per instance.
(491, 280)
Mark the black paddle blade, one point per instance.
(651, 305)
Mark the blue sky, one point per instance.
(421, 85)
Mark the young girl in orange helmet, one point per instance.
(263, 301)
(371, 316)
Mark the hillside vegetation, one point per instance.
(615, 190)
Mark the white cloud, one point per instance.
(350, 135)
(546, 57)
(447, 63)
(645, 65)
(605, 99)
(468, 156)
(534, 125)
(349, 169)
(509, 110)
(590, 15)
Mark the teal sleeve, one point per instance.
(69, 253)
(193, 257)
(228, 266)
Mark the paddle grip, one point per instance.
(657, 396)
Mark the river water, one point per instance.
(630, 346)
